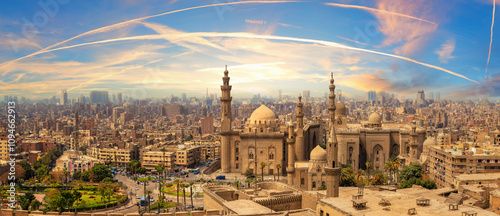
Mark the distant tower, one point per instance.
(299, 143)
(279, 98)
(119, 98)
(332, 168)
(76, 131)
(226, 123)
(64, 97)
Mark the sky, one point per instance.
(148, 49)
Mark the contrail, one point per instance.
(270, 37)
(125, 23)
(378, 10)
(491, 36)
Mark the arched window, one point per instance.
(302, 181)
(271, 156)
(250, 156)
(314, 184)
(407, 150)
(318, 169)
(351, 150)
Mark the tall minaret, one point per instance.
(299, 143)
(414, 142)
(226, 123)
(291, 154)
(332, 168)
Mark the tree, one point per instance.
(278, 167)
(148, 193)
(42, 172)
(191, 191)
(142, 170)
(177, 183)
(389, 167)
(248, 173)
(379, 179)
(358, 176)
(262, 166)
(346, 177)
(414, 170)
(237, 184)
(183, 186)
(29, 172)
(65, 172)
(99, 172)
(25, 201)
(249, 181)
(368, 165)
(77, 175)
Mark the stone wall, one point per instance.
(214, 167)
(309, 199)
(10, 212)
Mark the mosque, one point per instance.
(306, 164)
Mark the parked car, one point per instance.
(221, 177)
(137, 188)
(189, 206)
(137, 197)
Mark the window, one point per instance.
(302, 181)
(236, 150)
(320, 212)
(314, 184)
(271, 156)
(237, 157)
(250, 156)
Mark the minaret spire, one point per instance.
(226, 123)
(332, 168)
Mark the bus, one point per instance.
(144, 200)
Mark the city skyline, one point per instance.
(180, 47)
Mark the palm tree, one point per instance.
(358, 176)
(177, 182)
(262, 166)
(116, 161)
(65, 172)
(148, 193)
(388, 167)
(237, 184)
(191, 191)
(249, 181)
(278, 167)
(368, 167)
(183, 186)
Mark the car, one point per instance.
(137, 188)
(131, 193)
(189, 206)
(137, 197)
(195, 172)
(221, 177)
(152, 199)
(187, 176)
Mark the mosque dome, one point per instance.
(430, 141)
(375, 118)
(263, 113)
(318, 154)
(340, 108)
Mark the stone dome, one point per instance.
(318, 154)
(375, 118)
(340, 108)
(430, 141)
(262, 113)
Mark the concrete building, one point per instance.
(64, 97)
(207, 125)
(446, 163)
(188, 157)
(150, 159)
(120, 156)
(75, 161)
(99, 97)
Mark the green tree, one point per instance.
(249, 181)
(359, 176)
(148, 193)
(368, 165)
(77, 175)
(177, 183)
(237, 184)
(29, 172)
(42, 172)
(25, 201)
(262, 166)
(414, 170)
(379, 179)
(346, 177)
(184, 186)
(65, 172)
(99, 172)
(191, 191)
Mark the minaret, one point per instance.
(226, 123)
(332, 168)
(300, 150)
(291, 154)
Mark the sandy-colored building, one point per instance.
(188, 156)
(262, 140)
(150, 159)
(120, 156)
(75, 161)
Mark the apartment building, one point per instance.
(150, 159)
(120, 156)
(447, 162)
(188, 156)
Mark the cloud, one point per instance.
(445, 51)
(259, 22)
(349, 60)
(491, 36)
(411, 33)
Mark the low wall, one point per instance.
(10, 212)
(212, 168)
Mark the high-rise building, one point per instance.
(207, 125)
(114, 98)
(184, 97)
(372, 95)
(5, 99)
(306, 94)
(438, 96)
(64, 97)
(431, 96)
(99, 97)
(279, 97)
(119, 98)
